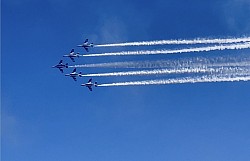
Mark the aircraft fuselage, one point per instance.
(71, 55)
(89, 84)
(72, 74)
(60, 66)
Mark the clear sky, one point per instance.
(47, 116)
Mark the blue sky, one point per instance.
(46, 116)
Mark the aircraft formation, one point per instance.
(174, 71)
(74, 74)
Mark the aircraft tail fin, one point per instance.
(95, 84)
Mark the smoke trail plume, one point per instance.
(182, 62)
(175, 42)
(168, 71)
(187, 50)
(201, 79)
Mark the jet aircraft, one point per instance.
(86, 45)
(89, 84)
(72, 55)
(60, 66)
(74, 74)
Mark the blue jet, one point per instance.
(89, 84)
(74, 74)
(60, 66)
(86, 45)
(72, 55)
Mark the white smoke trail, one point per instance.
(187, 50)
(175, 42)
(169, 71)
(201, 79)
(186, 62)
(151, 72)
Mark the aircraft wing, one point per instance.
(86, 49)
(86, 40)
(74, 70)
(90, 88)
(72, 59)
(72, 51)
(60, 62)
(74, 78)
(60, 70)
(90, 80)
